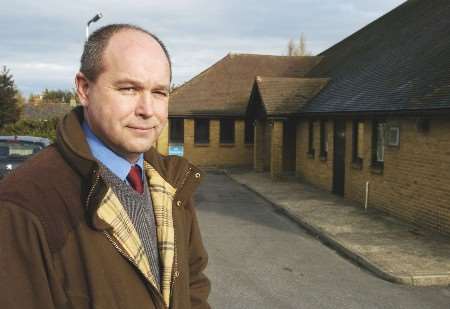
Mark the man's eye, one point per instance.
(128, 90)
(161, 93)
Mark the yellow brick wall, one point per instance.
(162, 144)
(259, 146)
(276, 150)
(314, 170)
(267, 145)
(215, 154)
(415, 182)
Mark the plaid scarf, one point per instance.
(113, 213)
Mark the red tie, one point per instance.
(135, 179)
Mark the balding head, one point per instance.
(94, 48)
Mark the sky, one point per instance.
(41, 41)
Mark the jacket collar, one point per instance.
(71, 142)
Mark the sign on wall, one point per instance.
(176, 149)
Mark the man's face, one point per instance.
(127, 106)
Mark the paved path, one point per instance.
(261, 259)
(392, 249)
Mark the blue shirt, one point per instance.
(118, 165)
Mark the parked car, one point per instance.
(14, 150)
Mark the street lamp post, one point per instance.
(93, 20)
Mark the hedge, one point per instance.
(40, 128)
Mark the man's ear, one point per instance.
(82, 86)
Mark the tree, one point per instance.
(58, 96)
(290, 48)
(297, 50)
(9, 103)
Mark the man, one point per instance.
(100, 219)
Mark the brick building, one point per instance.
(371, 121)
(207, 113)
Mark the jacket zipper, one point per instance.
(175, 273)
(113, 242)
(124, 254)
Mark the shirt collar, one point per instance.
(118, 165)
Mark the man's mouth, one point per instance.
(139, 128)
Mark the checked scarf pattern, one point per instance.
(113, 213)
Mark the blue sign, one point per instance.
(176, 150)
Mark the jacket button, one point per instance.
(178, 203)
(197, 175)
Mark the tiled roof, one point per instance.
(284, 96)
(400, 62)
(45, 111)
(224, 88)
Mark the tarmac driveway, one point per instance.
(261, 259)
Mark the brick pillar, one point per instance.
(258, 146)
(214, 134)
(276, 149)
(189, 128)
(162, 144)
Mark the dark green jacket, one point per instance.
(65, 242)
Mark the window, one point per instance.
(393, 136)
(311, 139)
(323, 140)
(176, 129)
(358, 142)
(201, 134)
(249, 132)
(227, 131)
(378, 144)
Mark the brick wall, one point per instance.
(414, 184)
(162, 144)
(267, 145)
(314, 170)
(259, 147)
(215, 154)
(276, 149)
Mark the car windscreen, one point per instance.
(18, 149)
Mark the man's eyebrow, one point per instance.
(163, 87)
(140, 84)
(128, 81)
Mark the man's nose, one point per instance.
(145, 104)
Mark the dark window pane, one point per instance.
(311, 138)
(249, 132)
(176, 129)
(201, 134)
(226, 131)
(378, 141)
(357, 141)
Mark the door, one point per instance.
(289, 145)
(339, 158)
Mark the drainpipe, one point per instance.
(367, 196)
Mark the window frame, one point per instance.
(323, 140)
(378, 143)
(227, 134)
(199, 140)
(172, 130)
(356, 159)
